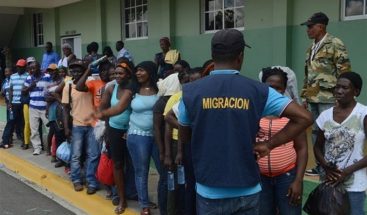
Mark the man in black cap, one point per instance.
(80, 106)
(219, 114)
(326, 59)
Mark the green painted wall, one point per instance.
(112, 22)
(271, 28)
(22, 40)
(352, 33)
(81, 18)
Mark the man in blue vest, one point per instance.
(220, 115)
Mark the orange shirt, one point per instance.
(96, 87)
(282, 158)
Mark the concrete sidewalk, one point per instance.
(40, 173)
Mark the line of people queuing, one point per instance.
(154, 110)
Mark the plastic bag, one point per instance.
(99, 130)
(104, 172)
(328, 200)
(63, 152)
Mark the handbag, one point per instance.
(104, 172)
(63, 152)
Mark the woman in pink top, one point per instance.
(282, 170)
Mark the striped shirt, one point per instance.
(37, 94)
(282, 158)
(17, 82)
(5, 88)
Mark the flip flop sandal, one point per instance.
(145, 211)
(120, 209)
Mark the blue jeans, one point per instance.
(356, 200)
(84, 135)
(243, 205)
(129, 174)
(141, 149)
(273, 196)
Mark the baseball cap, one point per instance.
(21, 63)
(30, 59)
(317, 18)
(78, 62)
(52, 66)
(228, 40)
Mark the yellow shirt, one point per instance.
(175, 98)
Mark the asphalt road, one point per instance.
(17, 198)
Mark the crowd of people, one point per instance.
(233, 145)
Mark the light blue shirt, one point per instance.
(49, 58)
(120, 121)
(141, 118)
(124, 53)
(17, 82)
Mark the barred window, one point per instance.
(38, 36)
(222, 14)
(136, 18)
(354, 9)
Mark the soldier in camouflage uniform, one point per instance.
(326, 59)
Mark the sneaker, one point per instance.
(59, 164)
(91, 190)
(78, 187)
(36, 152)
(312, 172)
(25, 146)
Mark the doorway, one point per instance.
(76, 43)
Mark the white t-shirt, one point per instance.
(344, 143)
(63, 62)
(169, 85)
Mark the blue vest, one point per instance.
(225, 111)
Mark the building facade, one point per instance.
(271, 27)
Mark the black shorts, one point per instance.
(118, 148)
